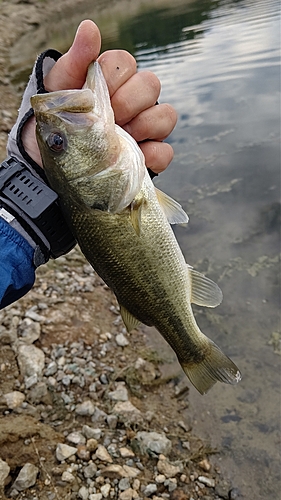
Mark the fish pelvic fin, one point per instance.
(216, 366)
(129, 320)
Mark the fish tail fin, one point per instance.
(215, 366)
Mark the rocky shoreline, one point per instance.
(85, 410)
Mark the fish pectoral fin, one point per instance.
(129, 320)
(204, 292)
(216, 366)
(171, 208)
(136, 217)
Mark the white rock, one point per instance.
(98, 415)
(90, 471)
(168, 469)
(112, 421)
(76, 438)
(152, 441)
(95, 496)
(121, 340)
(67, 477)
(207, 481)
(128, 494)
(64, 451)
(150, 489)
(140, 363)
(136, 484)
(127, 410)
(124, 483)
(83, 493)
(120, 393)
(31, 360)
(91, 432)
(4, 472)
(103, 454)
(13, 399)
(160, 478)
(51, 369)
(34, 316)
(105, 489)
(131, 472)
(30, 381)
(114, 471)
(126, 452)
(26, 477)
(86, 408)
(29, 330)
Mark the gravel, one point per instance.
(86, 420)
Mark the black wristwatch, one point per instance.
(36, 208)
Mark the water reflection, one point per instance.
(225, 85)
(218, 62)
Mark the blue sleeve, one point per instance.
(17, 271)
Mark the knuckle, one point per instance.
(151, 81)
(169, 114)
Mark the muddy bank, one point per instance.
(86, 410)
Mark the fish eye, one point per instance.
(56, 142)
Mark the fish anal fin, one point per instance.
(215, 367)
(129, 320)
(204, 292)
(171, 208)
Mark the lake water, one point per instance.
(219, 65)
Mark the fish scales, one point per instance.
(135, 261)
(122, 224)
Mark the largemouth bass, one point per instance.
(122, 224)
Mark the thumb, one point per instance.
(70, 70)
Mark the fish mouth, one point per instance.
(72, 101)
(72, 106)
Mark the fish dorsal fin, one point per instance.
(204, 292)
(171, 208)
(129, 320)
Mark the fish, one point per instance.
(122, 224)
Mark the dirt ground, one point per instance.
(78, 309)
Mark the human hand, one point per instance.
(133, 96)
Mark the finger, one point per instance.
(140, 92)
(117, 67)
(158, 155)
(157, 122)
(70, 70)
